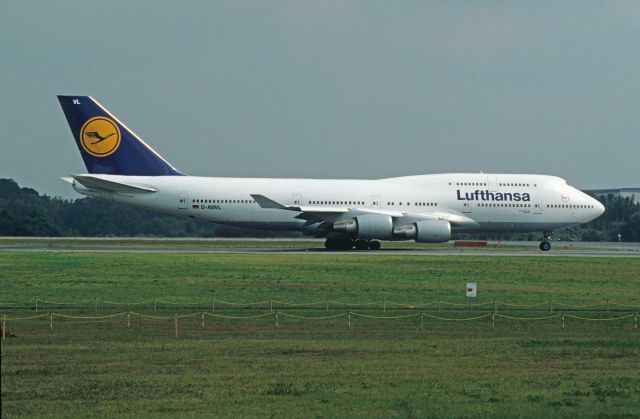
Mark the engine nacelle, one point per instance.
(368, 226)
(428, 231)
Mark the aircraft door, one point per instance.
(375, 201)
(183, 201)
(492, 183)
(537, 206)
(466, 207)
(297, 199)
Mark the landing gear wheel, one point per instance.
(333, 243)
(545, 246)
(361, 244)
(374, 245)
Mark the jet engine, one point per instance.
(428, 231)
(368, 226)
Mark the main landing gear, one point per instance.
(336, 243)
(545, 246)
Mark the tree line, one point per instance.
(24, 212)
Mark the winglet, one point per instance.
(265, 202)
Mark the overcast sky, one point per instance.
(339, 89)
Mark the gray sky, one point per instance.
(338, 89)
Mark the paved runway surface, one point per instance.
(288, 246)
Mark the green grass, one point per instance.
(378, 368)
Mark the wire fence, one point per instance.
(53, 319)
(156, 303)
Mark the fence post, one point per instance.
(213, 305)
(495, 305)
(4, 326)
(277, 325)
(493, 320)
(36, 304)
(128, 320)
(175, 317)
(51, 322)
(349, 321)
(327, 301)
(421, 320)
(203, 319)
(551, 305)
(607, 305)
(384, 305)
(562, 321)
(271, 307)
(636, 320)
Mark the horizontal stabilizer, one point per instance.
(98, 184)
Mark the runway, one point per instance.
(314, 247)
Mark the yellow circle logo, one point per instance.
(100, 136)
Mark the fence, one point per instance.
(277, 315)
(160, 303)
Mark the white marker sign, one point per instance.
(471, 289)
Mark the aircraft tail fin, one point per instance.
(107, 145)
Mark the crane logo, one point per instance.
(100, 136)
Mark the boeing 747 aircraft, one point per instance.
(349, 213)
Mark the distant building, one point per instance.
(617, 192)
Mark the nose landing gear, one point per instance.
(545, 246)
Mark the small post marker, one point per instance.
(128, 320)
(202, 324)
(551, 305)
(562, 321)
(36, 305)
(493, 320)
(213, 305)
(277, 325)
(271, 302)
(384, 305)
(495, 305)
(51, 322)
(472, 292)
(175, 316)
(421, 320)
(636, 320)
(349, 320)
(327, 301)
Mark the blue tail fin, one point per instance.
(107, 146)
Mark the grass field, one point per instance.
(378, 368)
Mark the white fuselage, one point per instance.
(472, 202)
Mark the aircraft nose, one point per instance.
(599, 208)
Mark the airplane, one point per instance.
(349, 213)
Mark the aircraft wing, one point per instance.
(318, 214)
(97, 184)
